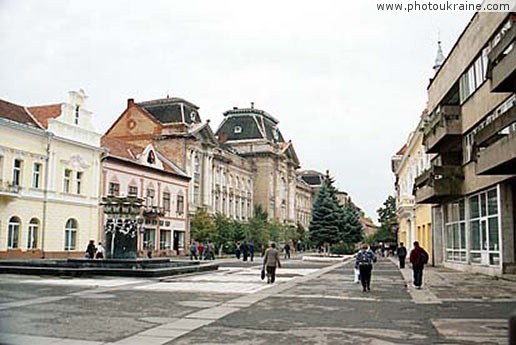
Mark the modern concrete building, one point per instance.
(471, 129)
(49, 179)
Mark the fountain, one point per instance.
(123, 224)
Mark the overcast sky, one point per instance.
(346, 82)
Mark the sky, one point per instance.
(347, 82)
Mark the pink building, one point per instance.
(130, 170)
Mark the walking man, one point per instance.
(193, 251)
(287, 251)
(402, 254)
(364, 263)
(271, 260)
(418, 258)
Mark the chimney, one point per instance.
(252, 105)
(235, 108)
(130, 101)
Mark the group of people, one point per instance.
(93, 252)
(244, 249)
(200, 251)
(365, 259)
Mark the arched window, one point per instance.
(14, 231)
(70, 234)
(32, 236)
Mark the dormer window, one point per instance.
(151, 158)
(193, 115)
(76, 114)
(275, 134)
(237, 129)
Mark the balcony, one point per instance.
(438, 184)
(444, 130)
(502, 63)
(8, 189)
(496, 145)
(153, 211)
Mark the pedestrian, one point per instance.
(271, 260)
(200, 250)
(90, 250)
(287, 251)
(251, 251)
(364, 263)
(100, 252)
(418, 258)
(211, 247)
(402, 254)
(193, 251)
(245, 250)
(237, 249)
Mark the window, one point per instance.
(70, 234)
(193, 116)
(150, 197)
(166, 201)
(474, 77)
(36, 175)
(17, 172)
(164, 239)
(148, 239)
(32, 237)
(180, 205)
(484, 228)
(151, 159)
(14, 231)
(133, 191)
(78, 181)
(237, 129)
(77, 115)
(66, 182)
(114, 189)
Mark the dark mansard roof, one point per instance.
(248, 124)
(172, 110)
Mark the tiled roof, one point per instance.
(130, 152)
(248, 124)
(16, 113)
(45, 112)
(402, 150)
(171, 110)
(120, 148)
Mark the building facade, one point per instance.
(221, 179)
(471, 130)
(49, 158)
(414, 220)
(255, 135)
(143, 172)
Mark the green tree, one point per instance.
(327, 215)
(352, 229)
(203, 227)
(257, 230)
(388, 220)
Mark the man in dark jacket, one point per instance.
(418, 258)
(402, 254)
(364, 262)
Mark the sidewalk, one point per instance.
(444, 284)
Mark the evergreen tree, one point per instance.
(352, 229)
(327, 215)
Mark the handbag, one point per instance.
(263, 274)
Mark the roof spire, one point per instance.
(440, 56)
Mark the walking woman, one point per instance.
(364, 263)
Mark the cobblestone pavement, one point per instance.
(311, 303)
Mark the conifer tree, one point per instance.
(327, 215)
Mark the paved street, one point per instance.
(311, 303)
